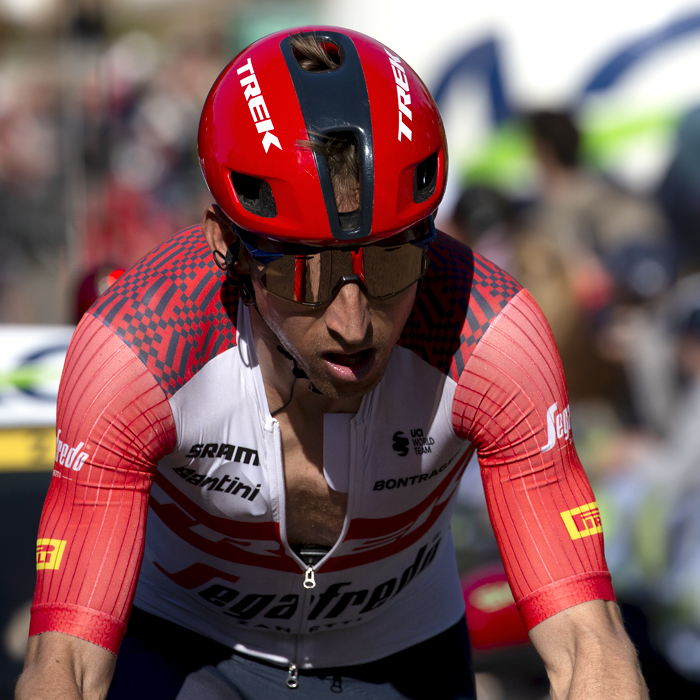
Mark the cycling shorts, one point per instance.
(159, 659)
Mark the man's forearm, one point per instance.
(588, 655)
(61, 667)
(47, 684)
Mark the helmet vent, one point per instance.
(350, 221)
(254, 194)
(425, 179)
(315, 54)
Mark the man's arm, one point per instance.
(511, 402)
(58, 666)
(588, 655)
(114, 423)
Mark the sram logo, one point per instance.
(257, 106)
(403, 93)
(558, 426)
(214, 450)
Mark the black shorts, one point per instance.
(160, 660)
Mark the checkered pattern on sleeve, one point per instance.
(172, 309)
(459, 296)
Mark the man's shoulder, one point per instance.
(459, 297)
(172, 309)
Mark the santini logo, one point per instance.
(257, 106)
(558, 426)
(217, 483)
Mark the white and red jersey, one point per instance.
(163, 419)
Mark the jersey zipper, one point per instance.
(292, 676)
(312, 568)
(292, 680)
(309, 579)
(309, 582)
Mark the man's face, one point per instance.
(344, 347)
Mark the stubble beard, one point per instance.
(316, 369)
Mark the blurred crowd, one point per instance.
(617, 273)
(98, 165)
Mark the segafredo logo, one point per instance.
(257, 106)
(70, 457)
(337, 605)
(558, 426)
(404, 96)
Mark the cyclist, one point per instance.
(289, 396)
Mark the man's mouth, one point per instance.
(352, 360)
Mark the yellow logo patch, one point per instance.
(49, 553)
(582, 521)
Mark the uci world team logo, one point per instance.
(401, 444)
(422, 444)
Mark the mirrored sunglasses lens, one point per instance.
(391, 270)
(312, 279)
(278, 277)
(307, 279)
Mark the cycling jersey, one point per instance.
(162, 394)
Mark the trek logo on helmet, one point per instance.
(404, 96)
(257, 106)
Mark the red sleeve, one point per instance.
(511, 401)
(114, 424)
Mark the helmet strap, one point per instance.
(298, 373)
(244, 285)
(219, 260)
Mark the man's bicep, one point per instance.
(113, 424)
(513, 404)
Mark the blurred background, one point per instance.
(574, 135)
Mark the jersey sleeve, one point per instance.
(511, 401)
(113, 425)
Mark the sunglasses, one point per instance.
(312, 277)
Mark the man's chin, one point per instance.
(339, 388)
(335, 389)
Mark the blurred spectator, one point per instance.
(650, 490)
(142, 154)
(92, 285)
(679, 192)
(587, 248)
(614, 245)
(98, 162)
(32, 219)
(483, 219)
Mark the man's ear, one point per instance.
(220, 235)
(217, 229)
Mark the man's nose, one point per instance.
(348, 315)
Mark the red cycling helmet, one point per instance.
(264, 103)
